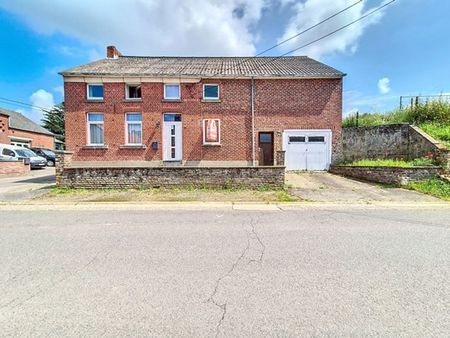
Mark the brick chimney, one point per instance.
(112, 52)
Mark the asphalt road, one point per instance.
(203, 273)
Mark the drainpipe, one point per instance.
(252, 95)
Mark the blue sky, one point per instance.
(402, 50)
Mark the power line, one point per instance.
(290, 38)
(20, 103)
(329, 34)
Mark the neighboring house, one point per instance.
(19, 130)
(203, 111)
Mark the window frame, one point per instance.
(133, 122)
(206, 143)
(88, 127)
(94, 98)
(211, 98)
(172, 98)
(127, 92)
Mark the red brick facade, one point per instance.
(279, 104)
(36, 139)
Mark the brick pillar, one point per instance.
(63, 160)
(280, 157)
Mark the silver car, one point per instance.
(9, 152)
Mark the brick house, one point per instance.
(202, 111)
(19, 130)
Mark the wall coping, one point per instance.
(429, 138)
(177, 167)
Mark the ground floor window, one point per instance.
(211, 131)
(95, 128)
(133, 123)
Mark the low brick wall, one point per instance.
(387, 175)
(152, 177)
(139, 178)
(14, 168)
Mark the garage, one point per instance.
(308, 150)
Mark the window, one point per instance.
(95, 129)
(211, 131)
(211, 91)
(265, 137)
(8, 152)
(133, 122)
(172, 92)
(133, 92)
(297, 139)
(316, 139)
(170, 117)
(95, 92)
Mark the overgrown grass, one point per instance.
(433, 117)
(393, 163)
(435, 186)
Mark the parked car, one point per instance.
(48, 154)
(9, 152)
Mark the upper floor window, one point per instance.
(95, 128)
(133, 123)
(172, 92)
(210, 91)
(95, 92)
(133, 92)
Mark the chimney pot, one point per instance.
(112, 52)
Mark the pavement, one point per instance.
(326, 187)
(340, 270)
(22, 188)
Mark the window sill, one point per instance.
(212, 144)
(94, 147)
(132, 100)
(132, 146)
(171, 100)
(211, 100)
(95, 100)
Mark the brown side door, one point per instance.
(265, 148)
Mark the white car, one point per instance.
(11, 153)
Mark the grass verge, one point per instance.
(188, 194)
(393, 163)
(436, 187)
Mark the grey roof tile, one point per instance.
(20, 122)
(288, 66)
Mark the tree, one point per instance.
(54, 121)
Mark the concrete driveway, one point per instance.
(17, 188)
(326, 187)
(343, 272)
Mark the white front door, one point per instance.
(307, 149)
(172, 138)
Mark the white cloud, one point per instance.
(310, 12)
(170, 27)
(40, 99)
(383, 85)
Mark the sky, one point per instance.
(401, 50)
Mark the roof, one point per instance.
(20, 122)
(153, 66)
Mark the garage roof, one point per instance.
(161, 66)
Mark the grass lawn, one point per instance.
(165, 195)
(435, 186)
(393, 163)
(440, 132)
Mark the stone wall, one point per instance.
(14, 168)
(387, 175)
(155, 177)
(400, 141)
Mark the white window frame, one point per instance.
(172, 98)
(127, 93)
(126, 129)
(218, 91)
(204, 133)
(94, 84)
(88, 127)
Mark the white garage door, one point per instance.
(307, 149)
